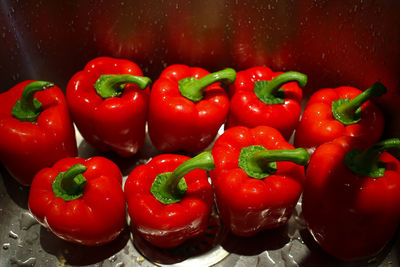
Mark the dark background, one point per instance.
(333, 42)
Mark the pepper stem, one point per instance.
(28, 108)
(270, 92)
(170, 187)
(70, 185)
(348, 111)
(193, 89)
(367, 163)
(110, 85)
(258, 162)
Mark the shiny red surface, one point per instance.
(318, 125)
(116, 123)
(27, 147)
(179, 124)
(247, 205)
(168, 225)
(349, 215)
(94, 219)
(246, 109)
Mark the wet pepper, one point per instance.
(165, 208)
(35, 129)
(108, 100)
(260, 96)
(80, 200)
(351, 197)
(343, 111)
(257, 178)
(187, 108)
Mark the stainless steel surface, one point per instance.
(335, 43)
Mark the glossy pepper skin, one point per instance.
(260, 96)
(108, 100)
(246, 203)
(177, 122)
(41, 135)
(169, 223)
(351, 214)
(91, 212)
(358, 118)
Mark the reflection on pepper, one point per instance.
(120, 30)
(196, 35)
(342, 42)
(351, 197)
(262, 35)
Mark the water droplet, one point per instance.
(26, 221)
(266, 258)
(287, 257)
(29, 262)
(12, 235)
(6, 246)
(113, 258)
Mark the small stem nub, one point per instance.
(170, 187)
(28, 108)
(193, 89)
(70, 184)
(367, 163)
(108, 86)
(259, 163)
(270, 92)
(348, 111)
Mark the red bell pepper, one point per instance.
(187, 108)
(166, 209)
(108, 102)
(35, 129)
(351, 199)
(258, 99)
(257, 179)
(331, 113)
(80, 200)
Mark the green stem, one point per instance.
(28, 108)
(348, 111)
(113, 85)
(270, 88)
(170, 187)
(259, 162)
(367, 163)
(193, 89)
(70, 185)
